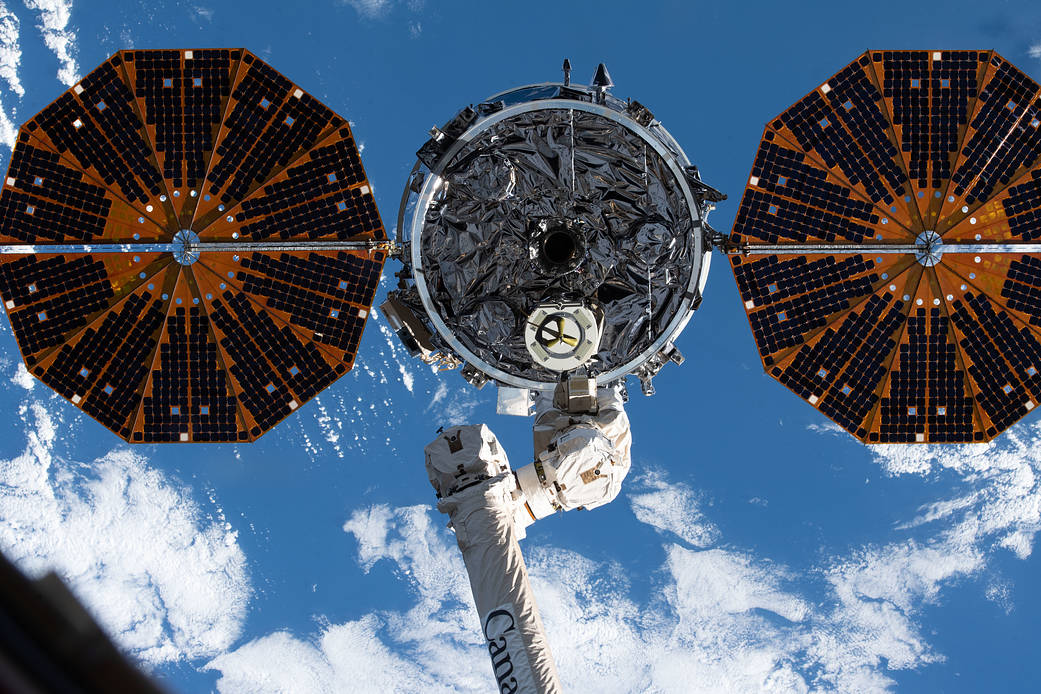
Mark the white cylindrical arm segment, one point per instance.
(462, 456)
(581, 459)
(482, 509)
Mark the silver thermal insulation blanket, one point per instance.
(551, 166)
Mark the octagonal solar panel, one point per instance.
(886, 248)
(189, 247)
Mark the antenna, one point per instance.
(601, 82)
(567, 72)
(602, 78)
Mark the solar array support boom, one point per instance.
(853, 249)
(389, 247)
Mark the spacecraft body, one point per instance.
(551, 229)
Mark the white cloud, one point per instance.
(671, 508)
(870, 626)
(1035, 51)
(201, 15)
(344, 658)
(10, 50)
(167, 583)
(881, 589)
(378, 9)
(1000, 593)
(370, 8)
(8, 130)
(452, 406)
(434, 646)
(718, 581)
(291, 665)
(1001, 504)
(57, 36)
(828, 427)
(723, 618)
(397, 353)
(22, 377)
(905, 574)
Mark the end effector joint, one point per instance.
(582, 451)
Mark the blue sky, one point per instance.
(753, 548)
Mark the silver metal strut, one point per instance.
(882, 248)
(199, 247)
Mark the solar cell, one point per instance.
(845, 127)
(791, 197)
(1013, 214)
(930, 96)
(1000, 144)
(269, 123)
(323, 195)
(46, 199)
(161, 245)
(856, 301)
(182, 101)
(840, 368)
(109, 145)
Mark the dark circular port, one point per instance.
(559, 247)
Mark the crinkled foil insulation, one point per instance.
(629, 210)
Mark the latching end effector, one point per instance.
(464, 456)
(581, 458)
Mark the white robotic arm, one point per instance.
(582, 456)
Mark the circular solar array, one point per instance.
(168, 200)
(885, 247)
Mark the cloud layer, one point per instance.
(10, 59)
(720, 617)
(168, 583)
(54, 16)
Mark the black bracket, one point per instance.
(639, 113)
(715, 239)
(703, 192)
(442, 138)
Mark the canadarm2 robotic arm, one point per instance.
(582, 443)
